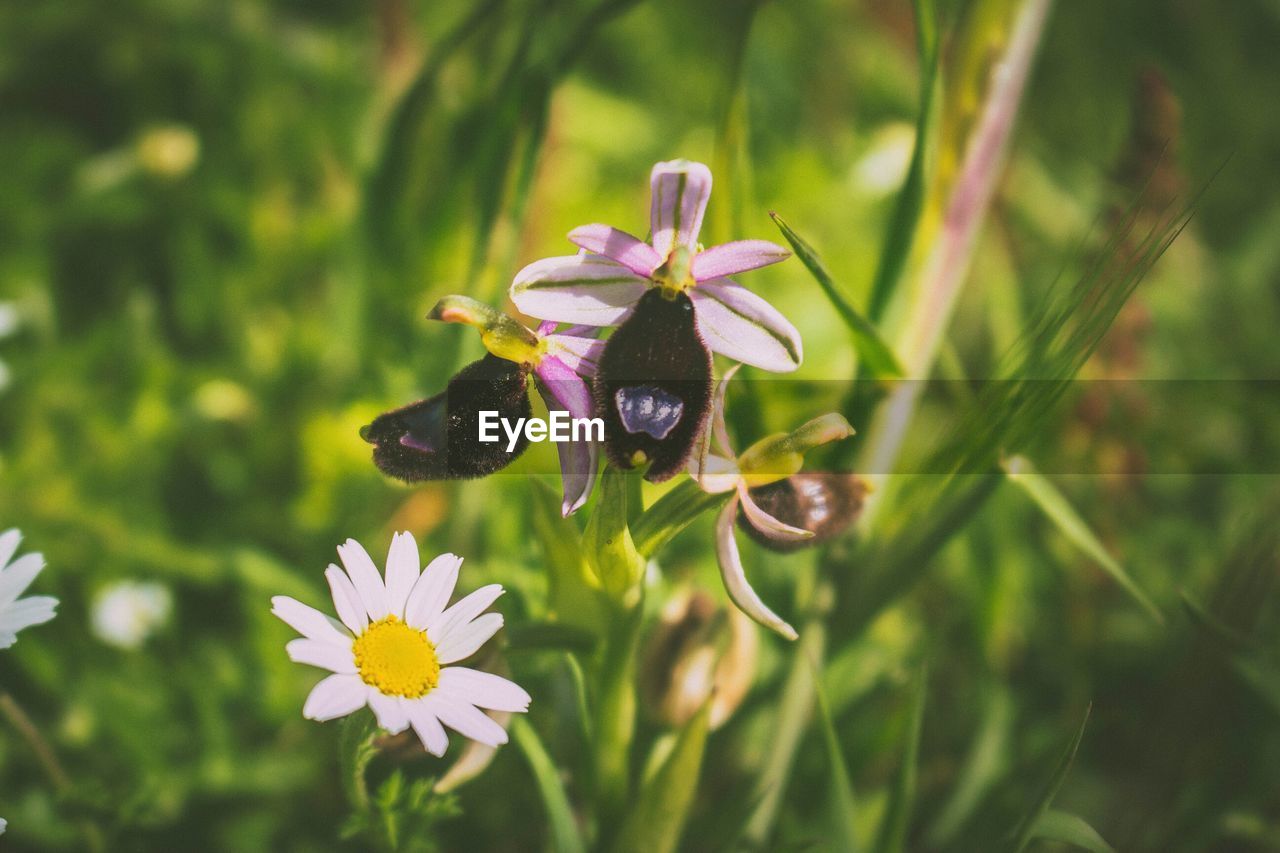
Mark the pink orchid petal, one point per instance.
(587, 289)
(719, 431)
(679, 190)
(767, 524)
(633, 253)
(732, 258)
(738, 324)
(581, 355)
(561, 388)
(735, 577)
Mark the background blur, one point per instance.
(222, 224)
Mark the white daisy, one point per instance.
(15, 613)
(4, 824)
(392, 647)
(126, 613)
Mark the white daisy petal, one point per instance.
(15, 579)
(35, 610)
(364, 574)
(483, 689)
(9, 541)
(432, 591)
(402, 571)
(428, 728)
(389, 710)
(462, 612)
(335, 696)
(309, 622)
(346, 600)
(463, 641)
(466, 719)
(324, 655)
(7, 640)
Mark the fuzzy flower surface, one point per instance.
(19, 613)
(601, 286)
(718, 470)
(396, 644)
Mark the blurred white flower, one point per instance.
(8, 319)
(883, 167)
(15, 613)
(390, 649)
(4, 824)
(126, 613)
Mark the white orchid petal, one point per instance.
(735, 577)
(679, 190)
(739, 256)
(767, 524)
(634, 254)
(587, 289)
(741, 325)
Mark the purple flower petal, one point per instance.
(580, 354)
(735, 577)
(732, 258)
(679, 192)
(561, 389)
(768, 525)
(737, 323)
(587, 289)
(631, 252)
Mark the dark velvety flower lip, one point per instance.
(653, 386)
(823, 503)
(438, 438)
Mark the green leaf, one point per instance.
(610, 551)
(1070, 524)
(893, 830)
(657, 819)
(910, 202)
(1027, 828)
(356, 749)
(1070, 829)
(565, 836)
(670, 514)
(1262, 676)
(871, 348)
(840, 798)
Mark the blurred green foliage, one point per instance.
(221, 225)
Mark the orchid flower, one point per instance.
(437, 438)
(772, 459)
(601, 286)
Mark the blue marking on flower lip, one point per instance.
(644, 408)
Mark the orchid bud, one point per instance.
(438, 438)
(697, 648)
(823, 503)
(501, 335)
(778, 456)
(653, 386)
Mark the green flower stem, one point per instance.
(355, 750)
(615, 718)
(48, 761)
(670, 514)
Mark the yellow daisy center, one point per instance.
(397, 659)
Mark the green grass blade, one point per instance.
(565, 836)
(897, 819)
(1071, 829)
(1027, 828)
(871, 348)
(1070, 524)
(910, 202)
(986, 761)
(840, 799)
(657, 819)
